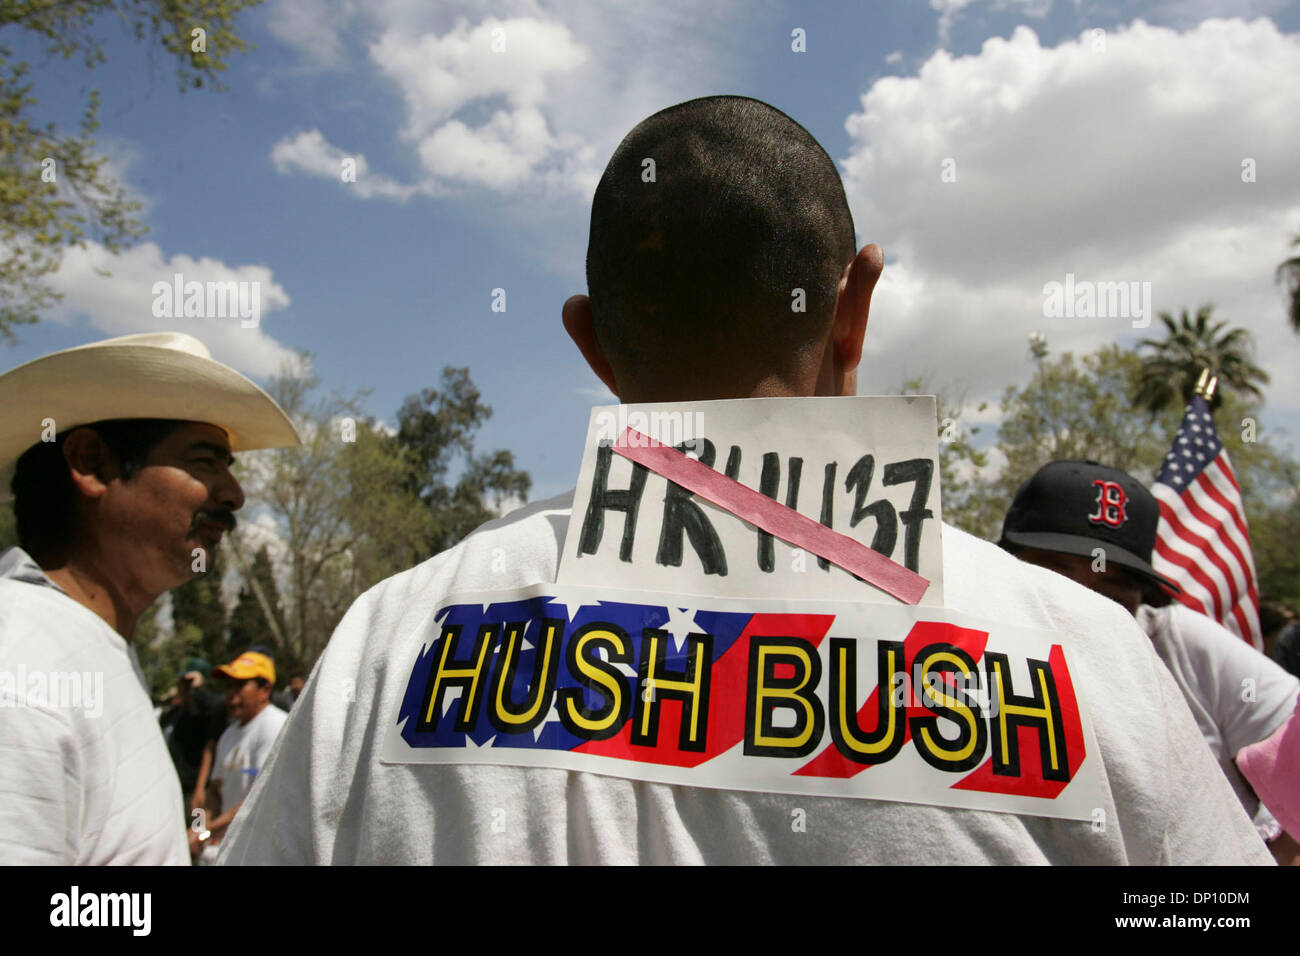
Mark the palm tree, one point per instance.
(1171, 369)
(1288, 273)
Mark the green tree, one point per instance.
(397, 525)
(961, 464)
(437, 427)
(1077, 409)
(198, 605)
(55, 189)
(1288, 275)
(257, 617)
(1277, 560)
(344, 505)
(1173, 364)
(162, 655)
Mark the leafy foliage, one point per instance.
(437, 428)
(161, 658)
(55, 188)
(198, 605)
(1173, 365)
(355, 504)
(960, 462)
(253, 622)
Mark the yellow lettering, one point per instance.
(848, 735)
(612, 685)
(933, 744)
(473, 673)
(1043, 713)
(692, 688)
(515, 638)
(791, 694)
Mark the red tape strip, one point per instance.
(775, 518)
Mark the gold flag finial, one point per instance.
(1201, 382)
(1210, 386)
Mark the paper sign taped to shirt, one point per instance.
(912, 704)
(865, 468)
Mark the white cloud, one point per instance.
(116, 294)
(313, 32)
(499, 154)
(476, 100)
(308, 152)
(950, 10)
(121, 157)
(1188, 13)
(536, 119)
(510, 60)
(1122, 165)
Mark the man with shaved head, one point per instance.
(708, 218)
(690, 275)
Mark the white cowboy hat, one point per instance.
(153, 375)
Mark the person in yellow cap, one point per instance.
(117, 455)
(244, 745)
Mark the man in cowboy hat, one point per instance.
(1097, 526)
(118, 457)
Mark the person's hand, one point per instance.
(198, 799)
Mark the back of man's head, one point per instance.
(695, 258)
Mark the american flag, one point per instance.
(1201, 542)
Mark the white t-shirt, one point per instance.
(325, 797)
(86, 778)
(1237, 695)
(241, 754)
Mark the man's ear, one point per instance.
(577, 322)
(852, 307)
(90, 464)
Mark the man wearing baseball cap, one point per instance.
(117, 455)
(245, 744)
(1097, 526)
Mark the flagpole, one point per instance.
(1206, 384)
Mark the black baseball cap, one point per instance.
(1075, 507)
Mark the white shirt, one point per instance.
(87, 778)
(325, 797)
(241, 753)
(1237, 695)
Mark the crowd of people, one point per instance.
(219, 726)
(681, 268)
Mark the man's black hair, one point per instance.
(745, 207)
(44, 495)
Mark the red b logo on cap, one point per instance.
(1110, 503)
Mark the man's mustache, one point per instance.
(222, 516)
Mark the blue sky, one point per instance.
(1112, 155)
